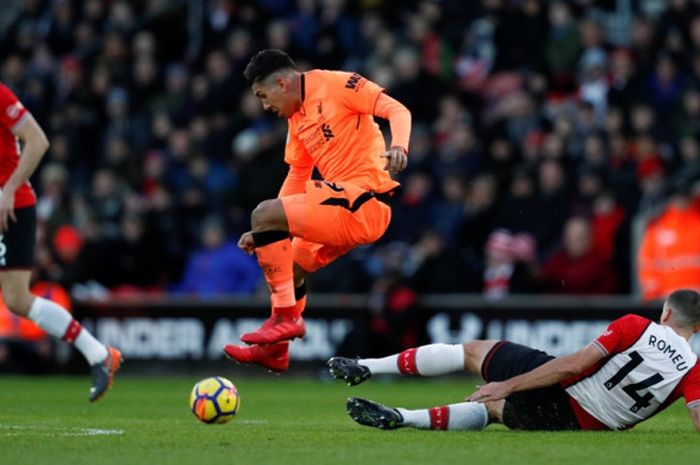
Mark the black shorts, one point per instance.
(17, 244)
(538, 409)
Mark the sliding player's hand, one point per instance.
(246, 243)
(490, 392)
(7, 210)
(396, 159)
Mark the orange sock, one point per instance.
(298, 309)
(276, 258)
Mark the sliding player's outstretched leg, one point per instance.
(374, 414)
(349, 370)
(428, 360)
(462, 416)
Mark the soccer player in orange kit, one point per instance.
(331, 128)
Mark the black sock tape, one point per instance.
(268, 237)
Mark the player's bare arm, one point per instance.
(550, 373)
(34, 146)
(695, 416)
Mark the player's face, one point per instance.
(275, 96)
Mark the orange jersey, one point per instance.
(334, 130)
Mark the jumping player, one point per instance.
(635, 369)
(330, 128)
(18, 237)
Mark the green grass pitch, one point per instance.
(289, 420)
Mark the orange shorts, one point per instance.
(330, 219)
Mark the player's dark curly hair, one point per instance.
(685, 304)
(266, 62)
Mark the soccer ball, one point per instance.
(214, 400)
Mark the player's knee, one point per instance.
(265, 217)
(17, 301)
(474, 354)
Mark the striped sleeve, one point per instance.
(12, 113)
(621, 334)
(691, 387)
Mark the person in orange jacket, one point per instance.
(23, 345)
(669, 255)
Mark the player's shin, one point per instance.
(276, 258)
(56, 321)
(427, 360)
(453, 417)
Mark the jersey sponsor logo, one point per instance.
(327, 132)
(14, 110)
(352, 82)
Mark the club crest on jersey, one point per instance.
(14, 109)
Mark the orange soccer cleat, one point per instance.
(279, 327)
(274, 357)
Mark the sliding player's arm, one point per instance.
(695, 416)
(690, 387)
(615, 336)
(548, 374)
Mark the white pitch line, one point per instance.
(251, 422)
(16, 430)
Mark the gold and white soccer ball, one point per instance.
(214, 400)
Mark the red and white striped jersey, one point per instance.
(648, 366)
(12, 116)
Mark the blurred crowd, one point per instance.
(541, 128)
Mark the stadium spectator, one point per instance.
(604, 386)
(219, 266)
(510, 264)
(24, 347)
(577, 268)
